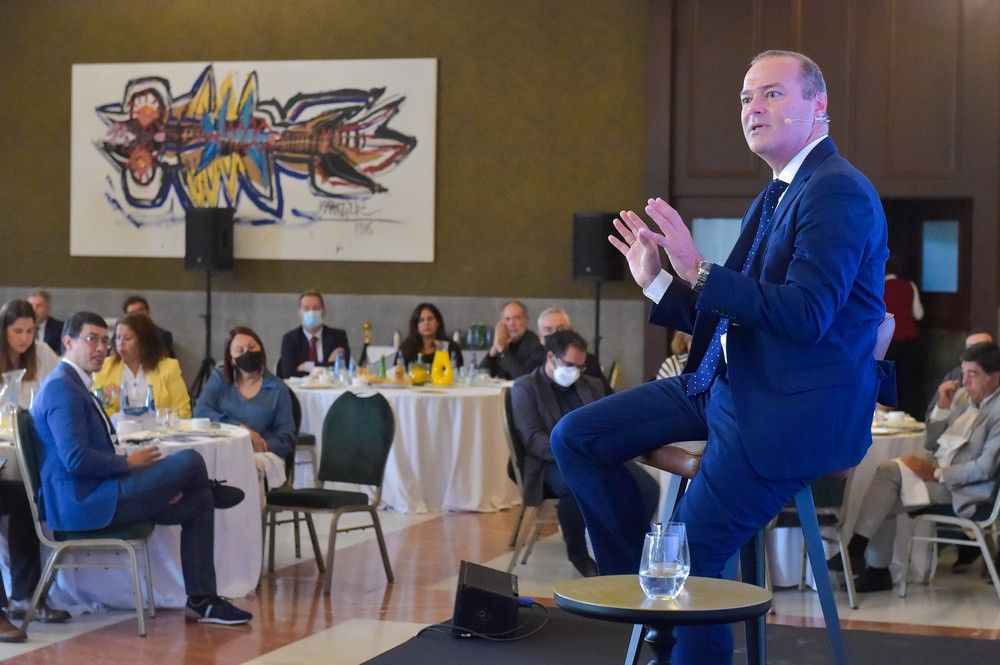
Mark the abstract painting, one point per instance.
(321, 160)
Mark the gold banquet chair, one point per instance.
(356, 440)
(130, 539)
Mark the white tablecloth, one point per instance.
(237, 539)
(450, 449)
(785, 545)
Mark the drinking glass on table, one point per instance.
(665, 563)
(166, 420)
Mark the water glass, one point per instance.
(166, 419)
(666, 563)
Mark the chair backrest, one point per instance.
(296, 411)
(514, 443)
(28, 446)
(357, 436)
(613, 374)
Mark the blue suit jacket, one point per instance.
(79, 467)
(295, 350)
(802, 323)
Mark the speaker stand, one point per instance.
(597, 320)
(207, 363)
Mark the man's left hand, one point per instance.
(339, 351)
(918, 465)
(676, 239)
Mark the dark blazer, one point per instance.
(521, 357)
(79, 467)
(802, 323)
(167, 339)
(53, 334)
(535, 412)
(295, 349)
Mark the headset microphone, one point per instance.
(819, 118)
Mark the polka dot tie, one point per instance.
(709, 365)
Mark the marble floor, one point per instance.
(296, 623)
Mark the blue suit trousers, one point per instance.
(146, 493)
(726, 503)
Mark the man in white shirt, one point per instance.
(957, 473)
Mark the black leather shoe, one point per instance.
(225, 496)
(966, 557)
(836, 564)
(9, 632)
(19, 609)
(586, 567)
(873, 579)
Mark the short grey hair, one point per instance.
(811, 77)
(551, 310)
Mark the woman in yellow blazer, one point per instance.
(138, 359)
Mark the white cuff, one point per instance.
(937, 474)
(938, 413)
(658, 286)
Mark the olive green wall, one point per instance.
(540, 113)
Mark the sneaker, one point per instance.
(215, 609)
(225, 496)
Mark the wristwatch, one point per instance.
(704, 267)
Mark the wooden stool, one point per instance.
(620, 598)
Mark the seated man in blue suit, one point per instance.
(314, 343)
(86, 485)
(781, 376)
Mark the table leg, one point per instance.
(661, 641)
(635, 644)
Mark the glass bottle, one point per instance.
(442, 372)
(150, 402)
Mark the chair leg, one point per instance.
(817, 556)
(635, 644)
(140, 611)
(906, 567)
(149, 579)
(381, 546)
(42, 588)
(517, 526)
(852, 598)
(315, 543)
(527, 524)
(298, 536)
(272, 523)
(534, 535)
(331, 550)
(752, 571)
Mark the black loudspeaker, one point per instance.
(485, 601)
(208, 239)
(594, 258)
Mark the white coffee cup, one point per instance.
(200, 423)
(126, 427)
(896, 415)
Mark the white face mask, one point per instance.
(565, 376)
(312, 319)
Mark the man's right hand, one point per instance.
(500, 339)
(946, 393)
(144, 457)
(638, 248)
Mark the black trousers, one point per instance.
(25, 563)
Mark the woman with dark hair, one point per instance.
(426, 328)
(243, 392)
(139, 359)
(18, 349)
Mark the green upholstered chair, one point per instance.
(305, 443)
(129, 539)
(356, 439)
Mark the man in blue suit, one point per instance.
(780, 379)
(86, 485)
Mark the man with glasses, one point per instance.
(87, 485)
(540, 399)
(552, 319)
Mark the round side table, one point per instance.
(703, 601)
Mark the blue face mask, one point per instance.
(312, 319)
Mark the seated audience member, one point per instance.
(19, 350)
(539, 399)
(955, 373)
(515, 350)
(673, 365)
(314, 343)
(426, 328)
(957, 472)
(86, 485)
(243, 392)
(138, 305)
(48, 329)
(138, 359)
(553, 319)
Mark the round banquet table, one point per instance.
(784, 545)
(449, 452)
(238, 547)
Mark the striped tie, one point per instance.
(709, 365)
